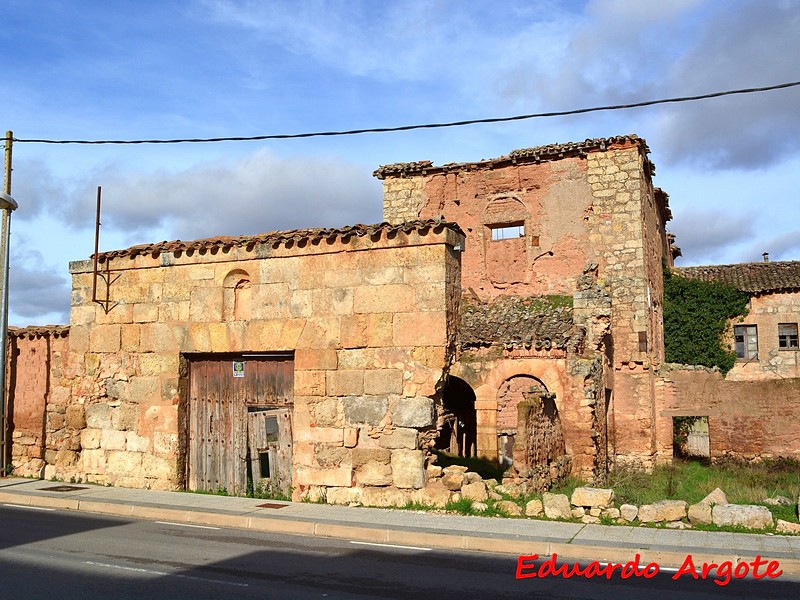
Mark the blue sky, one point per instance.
(215, 68)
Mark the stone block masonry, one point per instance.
(371, 346)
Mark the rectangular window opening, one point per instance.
(507, 232)
(263, 460)
(746, 341)
(787, 336)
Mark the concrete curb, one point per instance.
(520, 545)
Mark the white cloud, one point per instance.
(706, 235)
(257, 193)
(38, 293)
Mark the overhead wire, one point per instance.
(286, 136)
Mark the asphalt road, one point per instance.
(61, 555)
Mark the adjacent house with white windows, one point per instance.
(766, 339)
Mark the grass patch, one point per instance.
(743, 483)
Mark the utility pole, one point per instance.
(7, 205)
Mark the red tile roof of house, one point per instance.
(277, 238)
(753, 278)
(36, 331)
(525, 155)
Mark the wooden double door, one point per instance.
(240, 422)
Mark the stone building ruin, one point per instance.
(509, 309)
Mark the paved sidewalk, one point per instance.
(571, 541)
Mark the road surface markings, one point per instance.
(186, 525)
(165, 574)
(28, 507)
(389, 546)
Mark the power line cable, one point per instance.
(287, 136)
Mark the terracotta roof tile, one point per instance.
(34, 331)
(753, 278)
(277, 238)
(524, 155)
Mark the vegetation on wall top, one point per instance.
(696, 316)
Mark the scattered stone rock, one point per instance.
(453, 480)
(433, 494)
(578, 512)
(595, 512)
(716, 497)
(678, 525)
(778, 501)
(474, 491)
(433, 471)
(515, 490)
(510, 508)
(663, 510)
(742, 515)
(480, 506)
(787, 527)
(629, 512)
(494, 495)
(592, 497)
(556, 506)
(534, 508)
(700, 513)
(472, 477)
(455, 469)
(590, 520)
(612, 513)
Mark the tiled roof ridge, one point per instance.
(277, 238)
(752, 277)
(34, 331)
(547, 152)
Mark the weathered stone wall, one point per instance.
(403, 199)
(570, 380)
(40, 426)
(766, 312)
(594, 228)
(369, 315)
(746, 419)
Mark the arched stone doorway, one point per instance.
(529, 432)
(458, 425)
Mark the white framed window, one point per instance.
(746, 337)
(787, 336)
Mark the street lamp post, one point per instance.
(7, 205)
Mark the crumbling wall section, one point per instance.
(403, 199)
(41, 428)
(746, 419)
